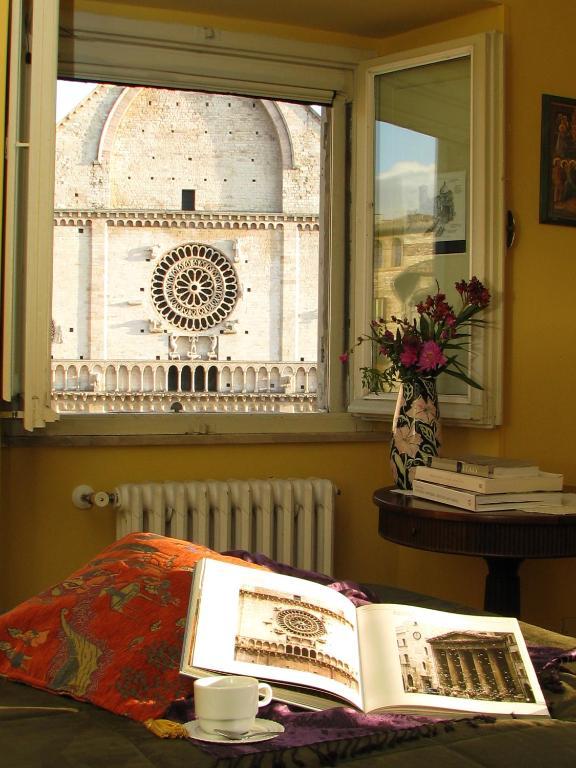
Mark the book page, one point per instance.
(417, 659)
(274, 627)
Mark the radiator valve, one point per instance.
(84, 497)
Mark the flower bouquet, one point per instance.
(415, 353)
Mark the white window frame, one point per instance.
(97, 47)
(487, 224)
(27, 288)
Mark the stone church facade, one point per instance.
(186, 253)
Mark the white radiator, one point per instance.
(290, 520)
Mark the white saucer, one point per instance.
(195, 732)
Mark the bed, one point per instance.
(90, 666)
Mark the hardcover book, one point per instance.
(318, 650)
(543, 481)
(484, 466)
(483, 502)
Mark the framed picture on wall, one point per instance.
(558, 161)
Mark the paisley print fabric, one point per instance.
(111, 633)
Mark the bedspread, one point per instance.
(94, 737)
(90, 736)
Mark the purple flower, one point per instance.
(473, 292)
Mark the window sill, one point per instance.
(176, 429)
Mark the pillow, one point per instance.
(112, 632)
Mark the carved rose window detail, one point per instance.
(194, 287)
(299, 622)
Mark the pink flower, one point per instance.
(430, 357)
(343, 357)
(409, 354)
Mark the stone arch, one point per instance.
(300, 380)
(186, 379)
(135, 379)
(59, 378)
(199, 379)
(238, 379)
(225, 379)
(250, 380)
(284, 138)
(113, 120)
(173, 379)
(148, 379)
(111, 379)
(287, 378)
(123, 378)
(274, 379)
(160, 379)
(262, 379)
(72, 377)
(312, 380)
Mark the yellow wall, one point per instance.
(44, 536)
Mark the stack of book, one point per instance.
(486, 483)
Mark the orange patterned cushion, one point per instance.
(111, 633)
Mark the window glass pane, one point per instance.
(186, 252)
(422, 177)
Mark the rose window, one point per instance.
(194, 287)
(299, 622)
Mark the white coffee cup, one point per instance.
(229, 702)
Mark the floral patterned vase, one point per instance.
(415, 429)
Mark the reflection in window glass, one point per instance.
(421, 198)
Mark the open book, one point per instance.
(318, 650)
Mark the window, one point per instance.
(188, 199)
(122, 54)
(189, 272)
(432, 203)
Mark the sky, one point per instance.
(69, 94)
(405, 163)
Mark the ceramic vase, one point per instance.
(415, 429)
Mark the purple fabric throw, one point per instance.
(334, 733)
(342, 732)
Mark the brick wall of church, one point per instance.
(133, 151)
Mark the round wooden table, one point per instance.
(503, 538)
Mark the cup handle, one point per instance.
(264, 694)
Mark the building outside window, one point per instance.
(212, 305)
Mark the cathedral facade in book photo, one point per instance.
(286, 631)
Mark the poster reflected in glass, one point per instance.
(449, 213)
(558, 161)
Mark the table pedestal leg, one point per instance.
(502, 593)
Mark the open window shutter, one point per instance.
(29, 208)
